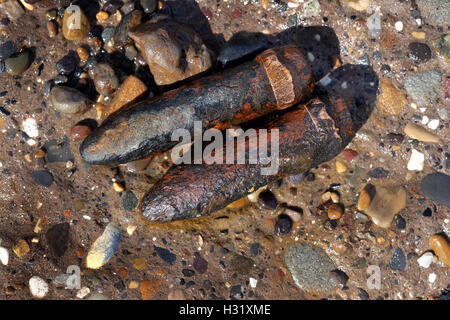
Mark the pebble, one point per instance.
(310, 267)
(51, 14)
(83, 54)
(442, 46)
(130, 201)
(390, 101)
(415, 131)
(79, 132)
(42, 177)
(66, 65)
(176, 294)
(435, 11)
(18, 63)
(373, 24)
(52, 28)
(359, 5)
(129, 21)
(104, 247)
(283, 225)
(200, 265)
(419, 52)
(398, 260)
(436, 187)
(140, 264)
(57, 152)
(340, 277)
(149, 5)
(4, 256)
(424, 86)
(237, 49)
(416, 161)
(418, 35)
(130, 90)
(311, 9)
(68, 100)
(105, 79)
(118, 187)
(335, 211)
(267, 200)
(182, 47)
(166, 255)
(58, 238)
(433, 124)
(425, 260)
(441, 247)
(399, 26)
(102, 16)
(400, 222)
(385, 204)
(7, 49)
(149, 288)
(83, 292)
(378, 173)
(29, 126)
(38, 287)
(350, 155)
(75, 28)
(340, 167)
(365, 197)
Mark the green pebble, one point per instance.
(51, 14)
(18, 63)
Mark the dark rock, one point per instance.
(130, 201)
(112, 6)
(149, 5)
(66, 65)
(237, 292)
(428, 212)
(378, 173)
(436, 187)
(58, 152)
(267, 200)
(105, 79)
(396, 138)
(7, 49)
(42, 177)
(166, 255)
(419, 52)
(400, 222)
(398, 260)
(200, 264)
(255, 249)
(242, 264)
(237, 50)
(283, 225)
(188, 272)
(339, 277)
(362, 294)
(129, 21)
(108, 34)
(18, 63)
(68, 100)
(58, 238)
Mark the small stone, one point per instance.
(66, 65)
(418, 35)
(130, 201)
(102, 16)
(200, 264)
(176, 294)
(423, 87)
(4, 256)
(68, 100)
(359, 5)
(75, 24)
(108, 34)
(57, 152)
(398, 260)
(378, 173)
(52, 28)
(310, 267)
(118, 187)
(7, 49)
(436, 187)
(83, 54)
(432, 277)
(29, 126)
(166, 255)
(149, 5)
(340, 277)
(416, 161)
(185, 54)
(42, 178)
(58, 238)
(149, 288)
(104, 247)
(51, 14)
(419, 52)
(140, 264)
(350, 155)
(122, 31)
(385, 204)
(373, 24)
(390, 101)
(311, 9)
(441, 247)
(425, 260)
(267, 200)
(362, 294)
(83, 292)
(415, 131)
(365, 197)
(130, 90)
(340, 167)
(38, 287)
(335, 211)
(79, 132)
(237, 49)
(400, 222)
(399, 26)
(283, 225)
(433, 124)
(18, 63)
(105, 79)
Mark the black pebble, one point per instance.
(66, 65)
(42, 177)
(400, 222)
(7, 49)
(378, 173)
(267, 200)
(58, 238)
(340, 276)
(398, 260)
(283, 225)
(130, 201)
(419, 52)
(188, 272)
(166, 255)
(427, 212)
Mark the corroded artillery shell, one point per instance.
(308, 135)
(276, 79)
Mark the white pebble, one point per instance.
(425, 260)
(399, 26)
(30, 127)
(416, 161)
(425, 120)
(38, 287)
(4, 256)
(83, 292)
(433, 124)
(253, 282)
(432, 277)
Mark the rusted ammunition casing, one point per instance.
(276, 79)
(308, 135)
